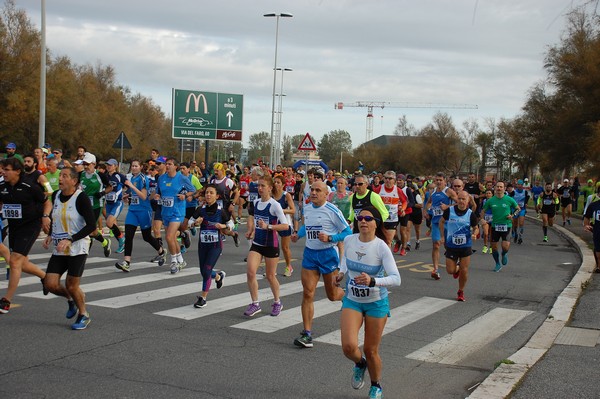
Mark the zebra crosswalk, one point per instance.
(149, 283)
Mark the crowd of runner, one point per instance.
(352, 225)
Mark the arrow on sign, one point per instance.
(229, 116)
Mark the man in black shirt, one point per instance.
(27, 211)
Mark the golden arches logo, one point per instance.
(196, 102)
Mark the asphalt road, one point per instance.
(146, 339)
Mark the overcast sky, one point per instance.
(486, 52)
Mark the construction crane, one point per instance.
(383, 104)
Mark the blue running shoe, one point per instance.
(82, 322)
(72, 310)
(504, 259)
(121, 248)
(375, 393)
(498, 267)
(358, 376)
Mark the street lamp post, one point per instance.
(277, 151)
(42, 121)
(277, 16)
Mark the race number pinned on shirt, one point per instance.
(501, 228)
(12, 211)
(168, 202)
(437, 211)
(111, 197)
(209, 236)
(312, 232)
(135, 200)
(459, 239)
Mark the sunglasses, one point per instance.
(360, 184)
(360, 218)
(389, 178)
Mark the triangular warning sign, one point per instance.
(122, 140)
(307, 144)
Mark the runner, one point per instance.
(190, 206)
(341, 197)
(114, 201)
(566, 200)
(395, 202)
(93, 187)
(323, 226)
(455, 228)
(486, 222)
(157, 222)
(287, 204)
(170, 191)
(243, 200)
(211, 218)
(226, 189)
(403, 229)
(438, 201)
(504, 208)
(72, 223)
(546, 206)
(138, 215)
(522, 197)
(364, 197)
(28, 211)
(267, 219)
(369, 264)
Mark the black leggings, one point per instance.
(146, 235)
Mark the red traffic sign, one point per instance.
(307, 144)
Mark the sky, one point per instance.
(487, 53)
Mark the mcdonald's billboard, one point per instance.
(205, 115)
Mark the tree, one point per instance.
(333, 144)
(443, 149)
(259, 146)
(403, 128)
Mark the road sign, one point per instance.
(307, 144)
(207, 115)
(122, 142)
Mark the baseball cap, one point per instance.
(161, 159)
(11, 146)
(526, 179)
(566, 181)
(58, 150)
(218, 166)
(111, 161)
(590, 181)
(519, 181)
(400, 177)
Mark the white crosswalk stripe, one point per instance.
(401, 317)
(460, 343)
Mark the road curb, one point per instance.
(506, 377)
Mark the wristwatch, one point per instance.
(45, 215)
(329, 239)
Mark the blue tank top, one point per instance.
(457, 229)
(437, 199)
(136, 203)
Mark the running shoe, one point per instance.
(288, 271)
(4, 306)
(252, 309)
(435, 275)
(185, 238)
(82, 322)
(358, 376)
(276, 308)
(219, 282)
(174, 268)
(236, 239)
(375, 393)
(182, 265)
(597, 270)
(44, 289)
(569, 222)
(121, 248)
(304, 340)
(417, 245)
(193, 230)
(72, 311)
(498, 267)
(245, 259)
(123, 265)
(545, 238)
(160, 258)
(200, 303)
(408, 247)
(460, 296)
(520, 241)
(110, 233)
(238, 219)
(563, 224)
(106, 247)
(403, 252)
(484, 249)
(515, 238)
(397, 247)
(504, 258)
(182, 249)
(457, 274)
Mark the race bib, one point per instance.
(437, 211)
(289, 189)
(57, 237)
(135, 200)
(12, 211)
(357, 291)
(312, 232)
(111, 197)
(167, 202)
(209, 236)
(501, 228)
(488, 217)
(459, 239)
(547, 202)
(252, 197)
(566, 194)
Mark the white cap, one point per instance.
(87, 158)
(566, 181)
